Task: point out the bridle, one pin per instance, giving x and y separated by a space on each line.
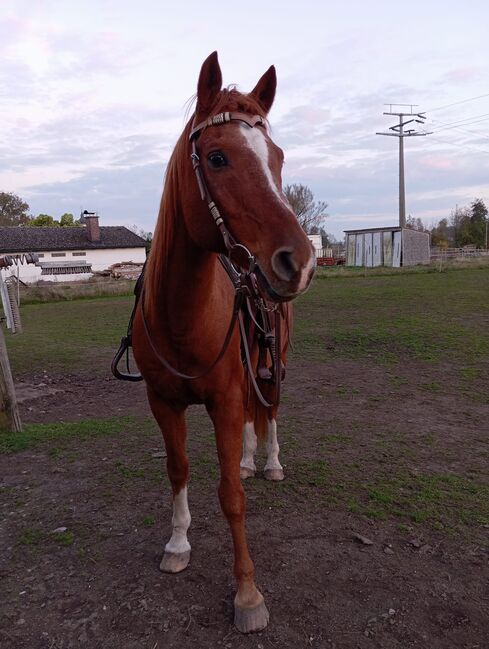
237 253
239 264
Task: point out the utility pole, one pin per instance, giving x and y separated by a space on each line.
401 133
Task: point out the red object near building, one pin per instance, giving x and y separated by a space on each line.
330 261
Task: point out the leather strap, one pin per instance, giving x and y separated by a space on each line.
238 298
224 118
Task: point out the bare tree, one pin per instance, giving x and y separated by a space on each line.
310 214
147 236
415 224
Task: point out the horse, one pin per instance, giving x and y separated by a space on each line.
222 198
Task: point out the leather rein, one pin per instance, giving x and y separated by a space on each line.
249 302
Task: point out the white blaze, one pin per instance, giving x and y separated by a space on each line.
181 522
256 141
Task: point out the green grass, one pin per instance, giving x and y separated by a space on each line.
430 317
77 336
55 292
39 434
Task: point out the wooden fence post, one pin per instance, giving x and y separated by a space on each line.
9 412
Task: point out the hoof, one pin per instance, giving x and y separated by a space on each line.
274 474
172 562
244 472
248 620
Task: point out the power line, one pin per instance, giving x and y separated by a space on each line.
475 119
459 128
456 103
456 144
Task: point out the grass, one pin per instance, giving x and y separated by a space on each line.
56 292
41 434
37 537
78 336
430 317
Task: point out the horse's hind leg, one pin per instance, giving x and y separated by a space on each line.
247 464
273 468
250 612
171 420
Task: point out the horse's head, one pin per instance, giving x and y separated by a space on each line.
242 172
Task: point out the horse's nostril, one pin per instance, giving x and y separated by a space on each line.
284 264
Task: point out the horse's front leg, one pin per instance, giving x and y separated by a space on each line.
227 413
171 421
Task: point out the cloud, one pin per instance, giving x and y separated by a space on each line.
122 196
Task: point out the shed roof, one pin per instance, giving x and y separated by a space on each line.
37 239
384 229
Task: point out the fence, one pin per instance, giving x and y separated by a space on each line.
438 254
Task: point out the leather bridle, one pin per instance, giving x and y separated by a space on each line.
238 253
239 264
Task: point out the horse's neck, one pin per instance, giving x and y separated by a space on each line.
187 291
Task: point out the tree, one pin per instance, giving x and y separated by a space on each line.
67 220
460 222
310 214
43 220
441 234
13 210
415 224
147 236
478 222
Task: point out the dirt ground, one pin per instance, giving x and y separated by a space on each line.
97 584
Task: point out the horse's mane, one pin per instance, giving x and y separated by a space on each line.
229 99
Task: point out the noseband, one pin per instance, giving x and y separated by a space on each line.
249 302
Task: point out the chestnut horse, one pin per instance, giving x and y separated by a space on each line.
184 345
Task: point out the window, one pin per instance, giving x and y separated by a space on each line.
40 255
79 254
58 254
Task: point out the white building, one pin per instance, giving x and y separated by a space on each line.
70 253
317 242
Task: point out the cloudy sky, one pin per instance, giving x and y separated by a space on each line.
93 96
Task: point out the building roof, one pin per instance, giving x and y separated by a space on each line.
38 239
391 228
394 228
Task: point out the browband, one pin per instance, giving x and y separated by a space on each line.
224 118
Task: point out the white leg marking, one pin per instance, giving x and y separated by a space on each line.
249 447
181 522
272 448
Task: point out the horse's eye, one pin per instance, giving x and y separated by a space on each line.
217 160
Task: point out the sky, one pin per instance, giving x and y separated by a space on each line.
94 95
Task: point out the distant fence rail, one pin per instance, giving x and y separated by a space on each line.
454 253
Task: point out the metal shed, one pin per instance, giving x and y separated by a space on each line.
392 246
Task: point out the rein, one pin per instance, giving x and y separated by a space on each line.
239 264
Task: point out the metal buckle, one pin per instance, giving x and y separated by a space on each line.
242 257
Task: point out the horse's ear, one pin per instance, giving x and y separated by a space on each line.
264 91
209 85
